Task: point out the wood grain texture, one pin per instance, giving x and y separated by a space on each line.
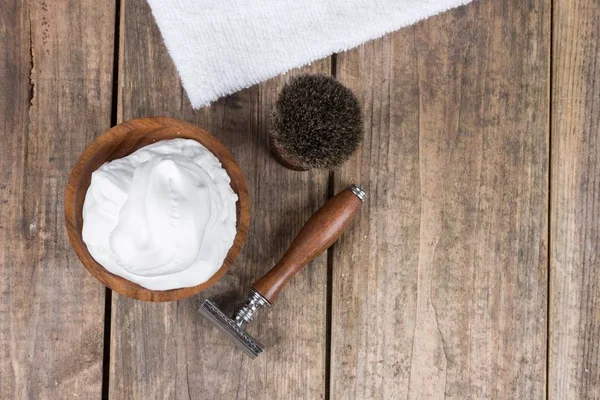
575 204
440 289
168 350
56 72
121 141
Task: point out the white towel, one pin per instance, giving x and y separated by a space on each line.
222 46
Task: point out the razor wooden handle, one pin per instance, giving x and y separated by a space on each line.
318 233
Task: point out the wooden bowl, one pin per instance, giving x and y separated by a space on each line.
119 142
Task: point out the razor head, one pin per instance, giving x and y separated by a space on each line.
244 341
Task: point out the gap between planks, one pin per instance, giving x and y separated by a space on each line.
113 121
549 199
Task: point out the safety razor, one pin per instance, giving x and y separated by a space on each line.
322 229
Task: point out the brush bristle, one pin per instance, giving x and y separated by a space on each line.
317 121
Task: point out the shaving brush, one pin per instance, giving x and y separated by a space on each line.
316 123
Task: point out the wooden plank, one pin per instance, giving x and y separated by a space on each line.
575 204
169 350
439 291
56 72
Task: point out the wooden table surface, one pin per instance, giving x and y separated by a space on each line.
473 271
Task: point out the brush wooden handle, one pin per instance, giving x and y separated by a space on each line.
318 233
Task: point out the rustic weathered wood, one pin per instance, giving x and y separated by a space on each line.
439 289
322 229
56 63
575 203
168 350
120 141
